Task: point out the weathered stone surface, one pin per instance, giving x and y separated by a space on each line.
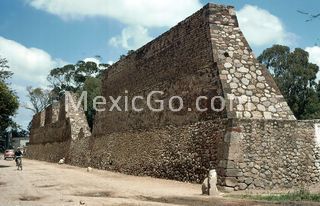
274 152
233 172
242 186
261 107
231 181
267 115
227 65
233 85
258 183
257 115
261 85
248 181
64 124
243 70
247 114
245 81
272 109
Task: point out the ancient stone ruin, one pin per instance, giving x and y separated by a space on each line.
57 132
254 142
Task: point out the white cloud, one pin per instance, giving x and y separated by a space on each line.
30 67
138 15
314 54
148 13
29 64
260 27
92 59
131 37
95 60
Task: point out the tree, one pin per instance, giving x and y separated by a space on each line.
79 77
93 87
18 132
39 99
8 99
8 107
71 77
4 74
296 78
129 52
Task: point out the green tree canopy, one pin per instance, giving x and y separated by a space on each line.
8 99
93 87
4 73
296 78
71 77
79 77
8 106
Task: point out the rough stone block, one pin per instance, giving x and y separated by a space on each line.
231 181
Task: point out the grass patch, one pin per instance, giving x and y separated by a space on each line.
299 195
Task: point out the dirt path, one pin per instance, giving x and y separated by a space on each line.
42 183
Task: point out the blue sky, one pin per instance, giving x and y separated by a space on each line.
38 35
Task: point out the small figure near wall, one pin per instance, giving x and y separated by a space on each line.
61 161
89 169
209 185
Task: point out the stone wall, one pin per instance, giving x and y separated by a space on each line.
243 78
179 62
50 152
267 154
254 142
204 55
184 153
55 130
80 152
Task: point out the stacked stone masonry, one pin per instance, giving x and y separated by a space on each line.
243 78
266 154
254 142
55 130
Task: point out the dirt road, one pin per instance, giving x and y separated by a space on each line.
42 183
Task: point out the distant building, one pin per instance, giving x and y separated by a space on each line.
20 142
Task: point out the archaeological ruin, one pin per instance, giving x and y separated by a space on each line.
255 142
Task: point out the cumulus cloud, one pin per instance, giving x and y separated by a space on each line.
96 60
92 59
149 13
28 64
261 27
314 54
131 37
30 67
138 15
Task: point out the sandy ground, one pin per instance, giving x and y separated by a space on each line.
42 183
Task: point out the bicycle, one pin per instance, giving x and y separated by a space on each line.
19 162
